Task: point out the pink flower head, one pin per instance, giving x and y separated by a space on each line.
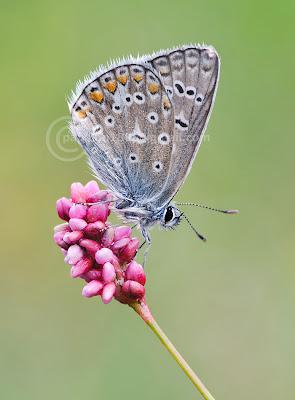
98 253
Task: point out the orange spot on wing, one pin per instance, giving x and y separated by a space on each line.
166 104
82 114
153 88
96 96
123 79
138 77
111 86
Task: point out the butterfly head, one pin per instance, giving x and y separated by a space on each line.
171 217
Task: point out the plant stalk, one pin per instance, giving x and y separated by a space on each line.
144 312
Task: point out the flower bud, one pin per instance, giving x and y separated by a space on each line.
58 238
78 211
108 272
104 255
91 275
94 230
92 288
90 245
97 197
91 189
63 206
74 254
122 232
135 272
97 212
82 266
78 193
134 290
72 237
108 292
108 237
130 250
77 224
120 244
62 228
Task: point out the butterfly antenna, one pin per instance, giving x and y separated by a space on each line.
194 229
209 208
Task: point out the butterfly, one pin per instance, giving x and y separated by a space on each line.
141 122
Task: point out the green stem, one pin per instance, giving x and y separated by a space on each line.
143 310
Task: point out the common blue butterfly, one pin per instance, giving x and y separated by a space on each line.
141 122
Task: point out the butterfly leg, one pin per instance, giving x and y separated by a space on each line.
147 241
97 202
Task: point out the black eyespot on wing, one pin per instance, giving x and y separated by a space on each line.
181 123
139 97
179 88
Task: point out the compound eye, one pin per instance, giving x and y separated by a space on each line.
169 215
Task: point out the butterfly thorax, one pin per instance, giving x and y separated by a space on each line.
145 215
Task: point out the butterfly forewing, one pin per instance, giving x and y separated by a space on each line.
124 120
190 76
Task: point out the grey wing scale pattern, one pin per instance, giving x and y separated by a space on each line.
123 118
190 77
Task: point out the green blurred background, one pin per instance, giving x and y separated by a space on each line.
228 304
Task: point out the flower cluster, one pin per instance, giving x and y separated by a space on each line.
99 253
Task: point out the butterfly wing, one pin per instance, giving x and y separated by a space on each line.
124 119
190 77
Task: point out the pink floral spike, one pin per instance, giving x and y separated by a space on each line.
100 254
103 256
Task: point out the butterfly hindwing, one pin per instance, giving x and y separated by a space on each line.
124 119
190 76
